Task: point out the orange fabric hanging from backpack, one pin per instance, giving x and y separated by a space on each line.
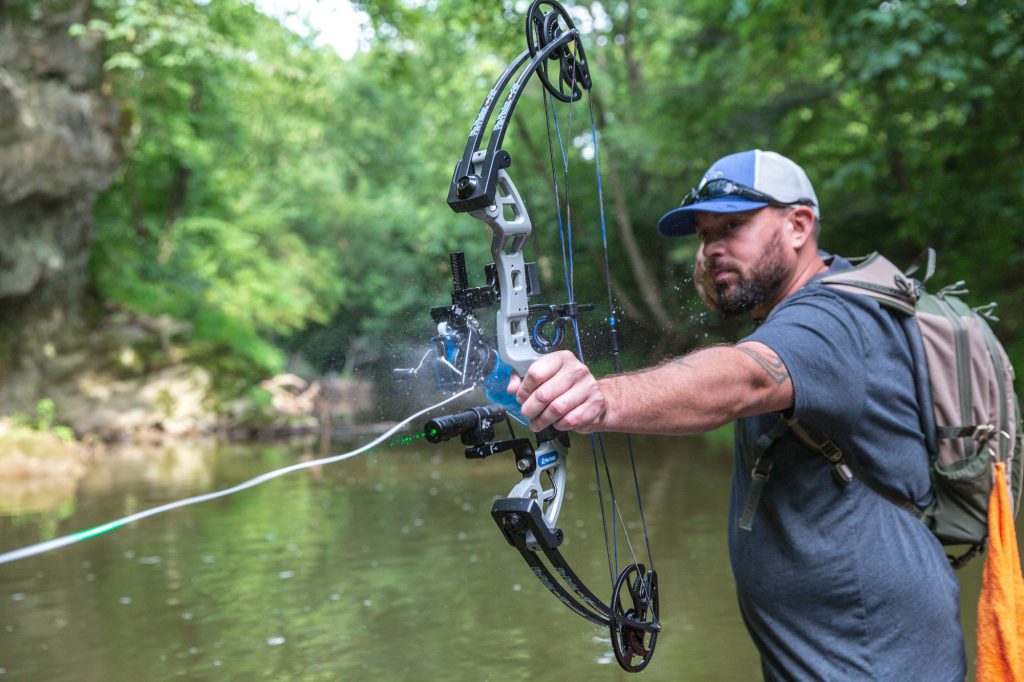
1001 606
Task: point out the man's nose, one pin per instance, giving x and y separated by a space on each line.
712 248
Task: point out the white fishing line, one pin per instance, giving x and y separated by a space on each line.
57 543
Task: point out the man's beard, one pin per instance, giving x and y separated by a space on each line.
766 278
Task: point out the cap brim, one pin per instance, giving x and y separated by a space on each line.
680 221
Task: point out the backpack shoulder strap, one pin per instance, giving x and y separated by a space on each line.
846 469
875 276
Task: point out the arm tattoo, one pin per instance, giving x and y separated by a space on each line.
682 361
770 362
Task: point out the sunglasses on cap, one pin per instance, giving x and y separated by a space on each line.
712 189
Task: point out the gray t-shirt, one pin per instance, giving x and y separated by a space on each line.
834 581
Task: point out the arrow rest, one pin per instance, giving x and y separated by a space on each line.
558 316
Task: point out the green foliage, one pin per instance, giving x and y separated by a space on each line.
45 420
222 213
287 201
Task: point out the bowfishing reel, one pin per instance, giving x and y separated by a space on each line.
463 354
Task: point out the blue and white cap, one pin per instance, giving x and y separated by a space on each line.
767 173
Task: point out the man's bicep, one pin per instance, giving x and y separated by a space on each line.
770 382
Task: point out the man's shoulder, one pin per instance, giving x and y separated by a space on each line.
815 295
829 310
828 297
836 312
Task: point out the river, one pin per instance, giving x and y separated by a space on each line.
385 566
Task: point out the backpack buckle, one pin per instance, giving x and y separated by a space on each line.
762 468
908 287
983 433
831 452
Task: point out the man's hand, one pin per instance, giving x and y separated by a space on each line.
560 391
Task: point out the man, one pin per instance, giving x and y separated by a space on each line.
834 581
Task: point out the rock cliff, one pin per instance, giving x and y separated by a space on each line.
59 148
109 373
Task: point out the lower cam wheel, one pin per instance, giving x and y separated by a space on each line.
635 625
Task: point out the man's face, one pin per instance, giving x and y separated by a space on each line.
745 258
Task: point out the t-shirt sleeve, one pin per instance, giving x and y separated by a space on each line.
822 345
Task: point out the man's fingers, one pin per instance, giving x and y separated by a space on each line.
577 409
569 400
541 371
559 390
555 386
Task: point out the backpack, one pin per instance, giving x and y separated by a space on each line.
970 414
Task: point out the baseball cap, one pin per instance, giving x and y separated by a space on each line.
742 182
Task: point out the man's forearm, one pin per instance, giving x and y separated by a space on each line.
698 392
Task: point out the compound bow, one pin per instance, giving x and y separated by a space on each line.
465 354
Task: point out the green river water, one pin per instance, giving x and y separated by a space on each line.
384 567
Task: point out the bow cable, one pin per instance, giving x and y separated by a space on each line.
551 116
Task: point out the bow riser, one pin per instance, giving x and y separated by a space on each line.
548 497
511 227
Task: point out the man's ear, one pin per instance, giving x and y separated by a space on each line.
801 224
703 282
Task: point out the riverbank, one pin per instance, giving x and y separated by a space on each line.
39 470
41 473
48 446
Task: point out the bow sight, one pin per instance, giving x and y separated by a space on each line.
466 353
